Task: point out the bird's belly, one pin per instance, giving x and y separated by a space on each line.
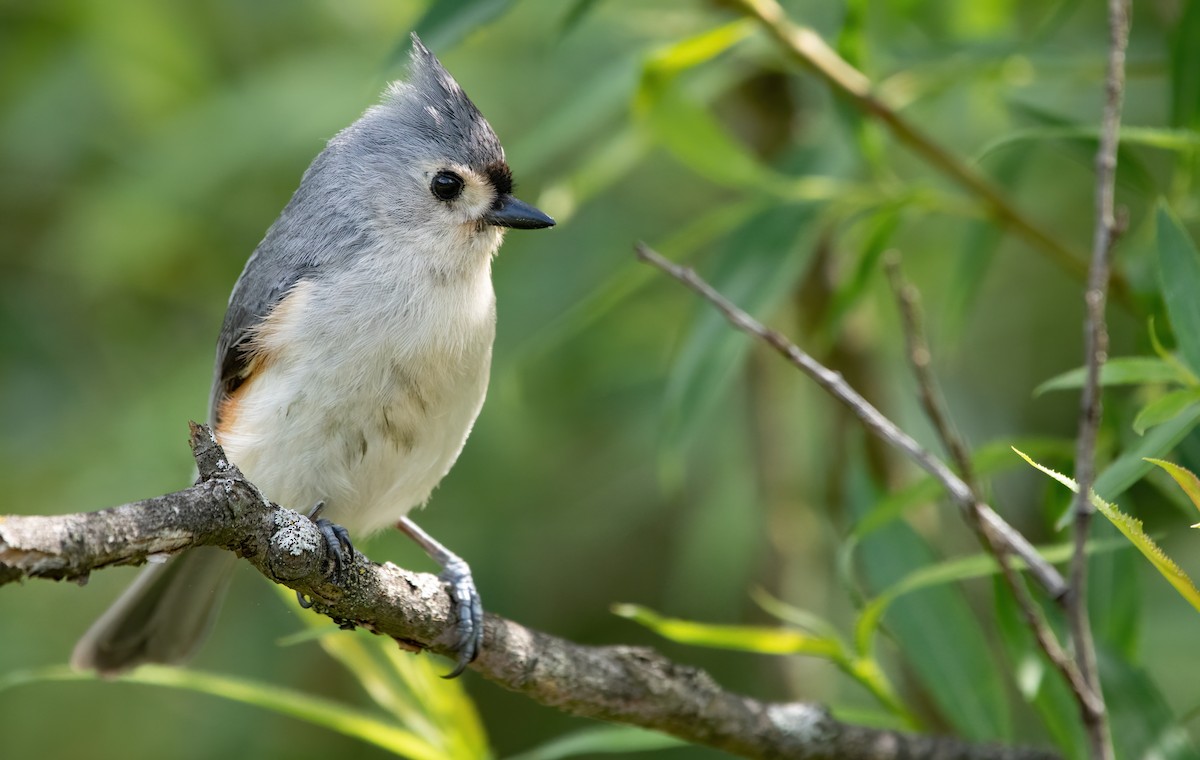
371 447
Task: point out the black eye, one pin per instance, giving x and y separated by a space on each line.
446 186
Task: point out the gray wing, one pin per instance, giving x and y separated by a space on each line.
317 229
257 291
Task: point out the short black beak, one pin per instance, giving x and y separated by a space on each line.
507 211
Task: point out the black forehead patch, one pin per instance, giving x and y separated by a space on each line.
501 177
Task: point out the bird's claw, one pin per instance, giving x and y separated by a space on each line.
338 548
468 611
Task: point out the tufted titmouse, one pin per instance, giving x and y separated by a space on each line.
355 352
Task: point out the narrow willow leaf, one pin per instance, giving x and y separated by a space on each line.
1125 370
953 571
444 25
1165 408
987 460
804 619
604 740
1131 528
1143 724
1185 69
1131 466
744 638
1149 137
1186 479
315 710
1179 269
1038 683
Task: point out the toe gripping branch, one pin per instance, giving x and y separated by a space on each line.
338 548
464 598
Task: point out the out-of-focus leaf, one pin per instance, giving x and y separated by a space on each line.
880 227
1124 370
980 245
316 710
694 137
1133 171
772 640
1165 408
1179 267
1037 681
987 460
1131 466
1150 137
698 49
598 101
445 24
1142 723
604 740
757 267
1131 528
685 127
744 638
806 620
940 636
1186 479
576 12
1185 69
410 688
953 571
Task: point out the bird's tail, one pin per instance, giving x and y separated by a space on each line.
163 616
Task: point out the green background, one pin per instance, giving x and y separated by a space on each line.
632 449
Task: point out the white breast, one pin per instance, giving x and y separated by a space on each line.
370 385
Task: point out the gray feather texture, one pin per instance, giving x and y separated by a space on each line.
356 348
328 219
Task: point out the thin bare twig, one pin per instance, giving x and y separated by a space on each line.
1096 351
919 356
617 683
876 422
807 47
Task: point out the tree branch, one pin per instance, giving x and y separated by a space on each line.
919 356
960 493
1096 351
617 683
807 47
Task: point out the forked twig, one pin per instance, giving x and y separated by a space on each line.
876 422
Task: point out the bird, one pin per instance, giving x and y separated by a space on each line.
354 355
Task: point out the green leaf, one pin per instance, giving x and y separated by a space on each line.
1186 479
1131 528
1127 370
410 688
1165 408
774 640
987 460
601 740
743 638
1037 681
686 127
952 571
1150 137
1131 466
1179 269
756 268
934 628
315 710
444 25
1142 723
1185 69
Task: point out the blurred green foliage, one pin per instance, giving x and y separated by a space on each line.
633 448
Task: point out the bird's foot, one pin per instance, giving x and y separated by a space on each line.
468 612
464 598
338 548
